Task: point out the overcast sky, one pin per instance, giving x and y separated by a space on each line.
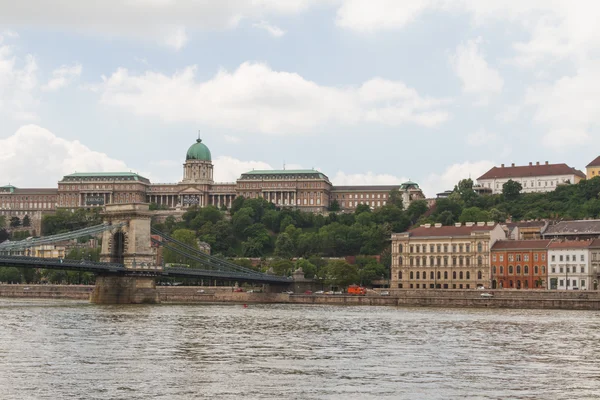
367 91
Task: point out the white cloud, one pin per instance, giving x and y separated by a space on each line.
62 77
374 15
256 98
272 29
163 21
176 38
33 155
480 138
477 77
18 82
437 183
229 169
369 178
232 139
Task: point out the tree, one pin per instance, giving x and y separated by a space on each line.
241 221
395 198
282 267
26 221
511 190
341 274
334 206
474 214
237 204
284 246
416 209
2 222
362 208
4 235
308 268
15 222
186 237
464 189
10 275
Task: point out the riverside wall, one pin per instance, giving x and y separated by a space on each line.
532 299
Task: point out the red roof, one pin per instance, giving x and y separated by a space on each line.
570 244
531 170
463 230
520 244
595 163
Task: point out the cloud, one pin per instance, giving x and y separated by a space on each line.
229 169
62 77
232 139
437 183
34 156
272 29
18 82
369 178
477 77
480 138
162 21
256 98
375 15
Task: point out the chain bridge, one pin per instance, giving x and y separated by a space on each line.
127 271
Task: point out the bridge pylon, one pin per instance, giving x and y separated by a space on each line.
128 244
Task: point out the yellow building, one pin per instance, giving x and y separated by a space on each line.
593 168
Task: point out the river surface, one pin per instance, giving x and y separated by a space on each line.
74 350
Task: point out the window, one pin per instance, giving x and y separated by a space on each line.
399 260
411 261
535 270
518 257
445 261
431 248
526 270
418 275
460 275
400 248
553 257
583 283
454 248
501 257
418 248
553 270
510 269
400 275
518 270
468 248
412 249
468 275
460 248
445 274
567 258
479 261
511 257
501 270
535 257
454 261
418 264
439 248
526 257
460 261
582 258
445 248
561 258
493 257
582 270
411 275
479 247
453 274
479 275
468 261
494 270
431 276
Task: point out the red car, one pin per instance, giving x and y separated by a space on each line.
308 292
239 289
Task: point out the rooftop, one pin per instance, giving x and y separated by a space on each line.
595 163
530 170
583 227
123 175
570 244
462 230
286 172
520 244
363 188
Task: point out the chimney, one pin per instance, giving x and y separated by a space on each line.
427 225
458 224
481 224
512 165
502 166
491 223
546 162
469 224
537 163
438 225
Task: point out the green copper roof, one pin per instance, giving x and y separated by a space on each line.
409 184
7 188
198 151
126 176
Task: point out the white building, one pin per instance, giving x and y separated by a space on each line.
569 266
533 177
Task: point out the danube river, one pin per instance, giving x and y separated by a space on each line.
74 350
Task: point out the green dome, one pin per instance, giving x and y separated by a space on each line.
198 151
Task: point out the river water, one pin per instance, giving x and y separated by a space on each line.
74 350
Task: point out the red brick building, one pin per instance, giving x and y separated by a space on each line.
519 264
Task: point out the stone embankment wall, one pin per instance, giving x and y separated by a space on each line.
543 299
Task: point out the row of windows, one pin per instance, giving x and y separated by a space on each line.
518 257
439 248
573 270
356 203
568 258
436 286
525 270
432 275
17 198
437 261
362 196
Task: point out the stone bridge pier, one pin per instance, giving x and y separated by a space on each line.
127 244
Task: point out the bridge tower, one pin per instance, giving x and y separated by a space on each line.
127 244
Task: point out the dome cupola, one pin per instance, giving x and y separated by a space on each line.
198 151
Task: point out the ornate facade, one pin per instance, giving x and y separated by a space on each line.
307 190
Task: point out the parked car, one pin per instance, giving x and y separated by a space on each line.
238 290
308 292
287 292
384 293
319 292
486 295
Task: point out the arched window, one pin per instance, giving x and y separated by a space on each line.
400 275
431 275
439 275
479 247
518 270
460 261
400 248
453 274
468 275
432 261
479 261
418 261
501 270
510 269
424 261
418 275
411 261
494 269
479 274
468 261
400 260
424 275
445 274
543 269
526 270
460 275
536 270
411 275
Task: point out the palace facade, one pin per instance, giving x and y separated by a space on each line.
306 190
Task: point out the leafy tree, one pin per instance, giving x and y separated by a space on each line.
511 190
26 221
362 208
308 268
237 204
10 275
341 274
241 221
15 222
285 222
21 235
4 235
416 209
284 246
271 219
186 237
253 247
464 189
474 214
334 206
282 267
395 198
2 222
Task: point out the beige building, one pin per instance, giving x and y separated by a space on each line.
444 257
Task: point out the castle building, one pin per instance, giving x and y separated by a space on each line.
533 178
307 190
593 168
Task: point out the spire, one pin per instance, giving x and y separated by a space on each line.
198 140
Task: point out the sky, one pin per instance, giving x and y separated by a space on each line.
366 91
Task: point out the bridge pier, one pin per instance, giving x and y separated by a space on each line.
125 290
